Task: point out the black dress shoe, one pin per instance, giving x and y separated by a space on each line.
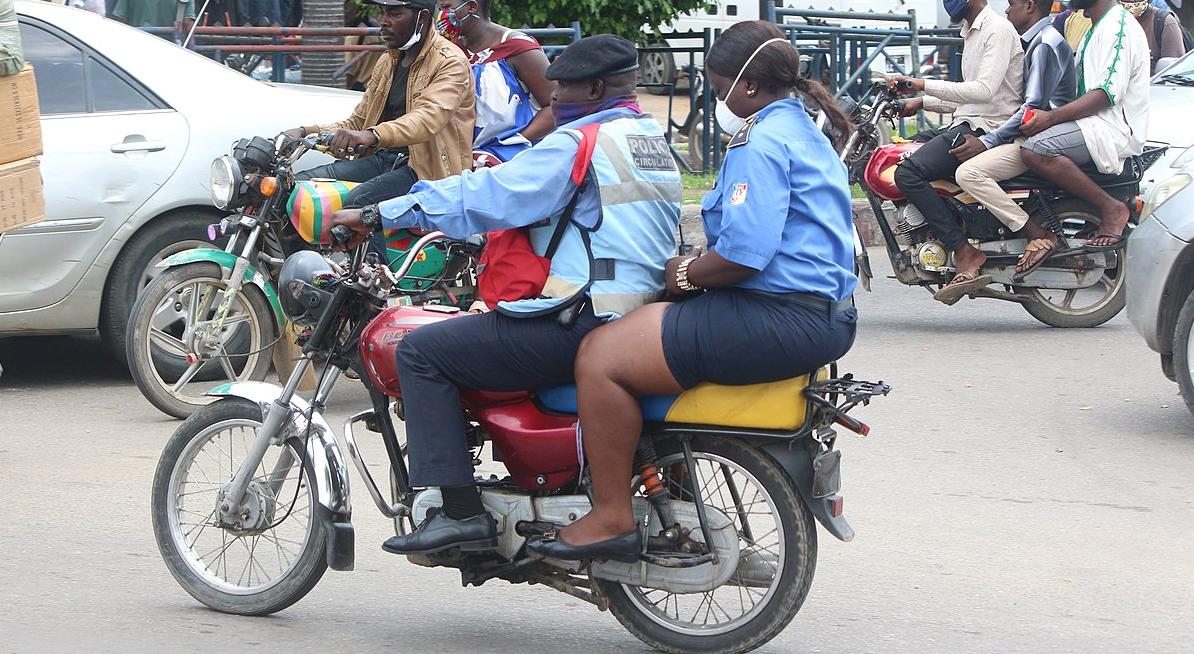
624 548
438 532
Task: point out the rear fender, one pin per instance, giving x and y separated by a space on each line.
818 487
331 474
227 261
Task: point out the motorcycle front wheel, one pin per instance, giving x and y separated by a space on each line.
276 552
171 355
777 544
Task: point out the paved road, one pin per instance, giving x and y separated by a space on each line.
1025 489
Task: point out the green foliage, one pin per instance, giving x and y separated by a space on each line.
626 18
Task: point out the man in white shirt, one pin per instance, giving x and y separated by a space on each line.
992 73
1103 127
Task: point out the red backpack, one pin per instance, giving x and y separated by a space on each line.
509 269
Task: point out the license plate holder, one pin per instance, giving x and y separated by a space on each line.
827 473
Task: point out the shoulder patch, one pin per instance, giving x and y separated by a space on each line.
738 197
742 136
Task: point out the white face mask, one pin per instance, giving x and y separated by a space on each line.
727 120
417 36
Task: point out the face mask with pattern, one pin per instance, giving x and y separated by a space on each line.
449 21
1137 9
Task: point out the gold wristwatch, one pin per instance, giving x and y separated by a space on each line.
682 276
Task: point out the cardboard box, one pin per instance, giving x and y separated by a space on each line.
22 201
20 122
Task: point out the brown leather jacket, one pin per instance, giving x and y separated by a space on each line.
440 109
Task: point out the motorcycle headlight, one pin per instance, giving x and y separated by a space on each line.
225 181
1163 192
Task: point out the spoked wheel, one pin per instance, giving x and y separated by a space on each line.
778 556
176 349
1081 307
266 558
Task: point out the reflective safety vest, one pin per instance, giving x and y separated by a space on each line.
618 261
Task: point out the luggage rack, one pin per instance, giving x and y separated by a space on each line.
836 397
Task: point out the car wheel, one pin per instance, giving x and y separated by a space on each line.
1182 355
136 266
657 70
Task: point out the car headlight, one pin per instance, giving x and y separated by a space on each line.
1183 160
1163 192
225 181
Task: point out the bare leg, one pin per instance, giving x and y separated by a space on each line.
1063 172
969 259
617 363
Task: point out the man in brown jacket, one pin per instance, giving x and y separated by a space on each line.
416 119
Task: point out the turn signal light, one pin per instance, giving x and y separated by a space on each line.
839 503
269 186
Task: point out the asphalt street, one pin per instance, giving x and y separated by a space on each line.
1024 489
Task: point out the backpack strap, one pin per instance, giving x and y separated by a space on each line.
1158 27
580 175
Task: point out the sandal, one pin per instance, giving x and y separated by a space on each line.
1044 246
963 284
1117 243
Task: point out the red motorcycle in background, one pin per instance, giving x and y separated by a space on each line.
1075 287
251 495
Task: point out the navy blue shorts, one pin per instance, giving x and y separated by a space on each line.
738 337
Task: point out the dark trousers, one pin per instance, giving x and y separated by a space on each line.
488 351
378 177
932 162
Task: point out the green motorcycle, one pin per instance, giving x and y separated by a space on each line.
213 316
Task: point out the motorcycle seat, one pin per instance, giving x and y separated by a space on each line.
1132 172
778 405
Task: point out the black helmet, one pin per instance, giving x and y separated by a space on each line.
302 299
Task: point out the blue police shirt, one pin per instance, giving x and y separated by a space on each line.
781 206
534 185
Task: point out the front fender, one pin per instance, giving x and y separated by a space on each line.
798 462
227 261
331 474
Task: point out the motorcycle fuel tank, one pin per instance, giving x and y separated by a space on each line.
379 341
879 174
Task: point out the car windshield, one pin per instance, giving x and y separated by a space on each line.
1181 73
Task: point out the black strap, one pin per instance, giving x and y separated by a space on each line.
565 219
1158 29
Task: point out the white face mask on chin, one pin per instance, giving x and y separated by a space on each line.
727 120
416 36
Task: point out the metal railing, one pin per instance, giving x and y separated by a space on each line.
277 42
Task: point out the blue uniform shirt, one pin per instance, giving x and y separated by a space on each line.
535 185
782 206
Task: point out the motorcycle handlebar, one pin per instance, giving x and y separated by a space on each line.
341 234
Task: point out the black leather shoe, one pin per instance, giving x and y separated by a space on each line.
439 532
624 548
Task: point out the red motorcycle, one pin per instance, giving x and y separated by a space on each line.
251 495
1076 287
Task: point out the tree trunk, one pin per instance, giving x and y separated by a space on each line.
319 66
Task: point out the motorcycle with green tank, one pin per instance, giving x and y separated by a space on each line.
213 316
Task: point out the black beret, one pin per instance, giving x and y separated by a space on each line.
592 57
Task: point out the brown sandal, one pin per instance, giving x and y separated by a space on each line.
960 286
1044 246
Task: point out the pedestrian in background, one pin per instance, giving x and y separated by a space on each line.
1161 28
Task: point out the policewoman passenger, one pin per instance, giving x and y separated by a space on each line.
770 300
626 215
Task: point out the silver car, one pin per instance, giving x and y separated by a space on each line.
130 124
1160 277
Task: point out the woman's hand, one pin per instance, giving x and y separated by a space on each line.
669 274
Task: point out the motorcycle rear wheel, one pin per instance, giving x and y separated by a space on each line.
217 565
1100 302
773 509
157 338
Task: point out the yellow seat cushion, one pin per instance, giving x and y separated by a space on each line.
774 405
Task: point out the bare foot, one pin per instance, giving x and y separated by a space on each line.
969 260
1112 222
594 528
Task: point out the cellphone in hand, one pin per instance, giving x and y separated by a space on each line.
1028 114
956 140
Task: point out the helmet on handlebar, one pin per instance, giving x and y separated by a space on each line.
311 206
300 282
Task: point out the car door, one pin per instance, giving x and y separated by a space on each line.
109 144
